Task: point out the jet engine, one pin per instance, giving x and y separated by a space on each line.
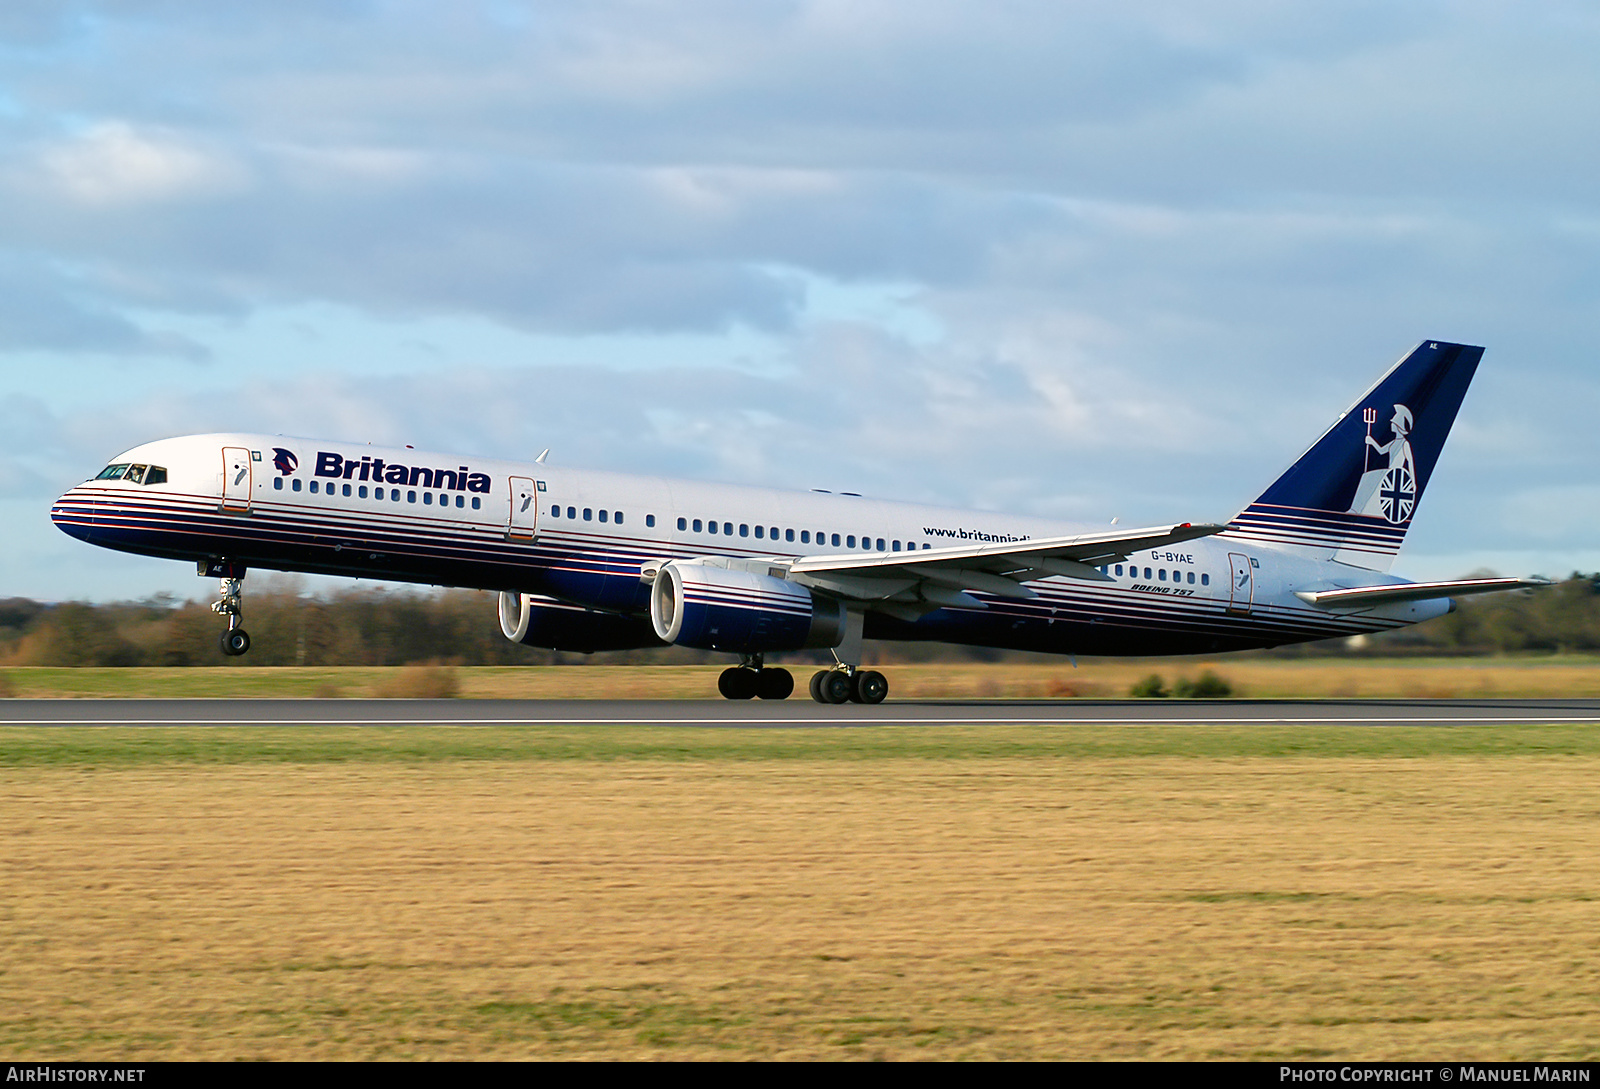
545 622
717 608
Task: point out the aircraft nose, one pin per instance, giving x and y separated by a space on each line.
72 515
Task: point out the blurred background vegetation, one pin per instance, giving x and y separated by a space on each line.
382 626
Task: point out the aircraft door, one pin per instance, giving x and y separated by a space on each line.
1241 590
524 517
237 479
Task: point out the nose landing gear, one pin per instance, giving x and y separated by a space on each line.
230 603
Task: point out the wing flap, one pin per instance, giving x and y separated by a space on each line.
1086 549
939 575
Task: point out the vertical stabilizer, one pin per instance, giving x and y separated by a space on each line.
1351 497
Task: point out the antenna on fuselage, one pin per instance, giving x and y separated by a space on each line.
540 459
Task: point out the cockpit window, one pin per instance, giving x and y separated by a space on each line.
134 474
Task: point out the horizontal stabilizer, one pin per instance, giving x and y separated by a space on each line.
1365 596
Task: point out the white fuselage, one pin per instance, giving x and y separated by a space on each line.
583 538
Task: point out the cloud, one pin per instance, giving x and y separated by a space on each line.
112 163
1146 250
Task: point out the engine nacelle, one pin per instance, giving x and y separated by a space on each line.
715 608
545 622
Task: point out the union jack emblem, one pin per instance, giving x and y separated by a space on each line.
1397 495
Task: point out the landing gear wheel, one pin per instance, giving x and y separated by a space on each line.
235 642
774 684
834 686
816 685
738 683
868 687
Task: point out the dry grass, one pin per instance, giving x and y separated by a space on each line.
419 682
1173 908
1250 677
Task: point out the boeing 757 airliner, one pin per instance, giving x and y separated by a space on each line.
602 561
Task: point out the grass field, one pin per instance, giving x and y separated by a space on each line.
1250 677
1013 892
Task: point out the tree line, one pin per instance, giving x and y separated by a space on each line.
379 626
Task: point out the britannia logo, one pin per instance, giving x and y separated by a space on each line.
284 460
1388 490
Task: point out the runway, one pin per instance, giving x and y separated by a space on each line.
792 713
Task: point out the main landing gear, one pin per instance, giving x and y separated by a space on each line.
235 641
750 679
848 684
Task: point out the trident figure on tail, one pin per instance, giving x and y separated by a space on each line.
1388 491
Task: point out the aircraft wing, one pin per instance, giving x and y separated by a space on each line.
939 576
1364 596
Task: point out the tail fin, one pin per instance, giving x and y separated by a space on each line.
1351 497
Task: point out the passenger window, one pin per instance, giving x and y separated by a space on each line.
727 529
744 530
461 501
697 525
617 518
805 536
477 502
683 524
774 533
555 511
295 486
896 545
362 491
836 540
588 514
1205 579
313 487
881 548
711 527
850 541
427 499
1146 572
602 516
347 491
788 535
760 532
1191 578
277 483
411 497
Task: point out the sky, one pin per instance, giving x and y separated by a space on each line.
1079 260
